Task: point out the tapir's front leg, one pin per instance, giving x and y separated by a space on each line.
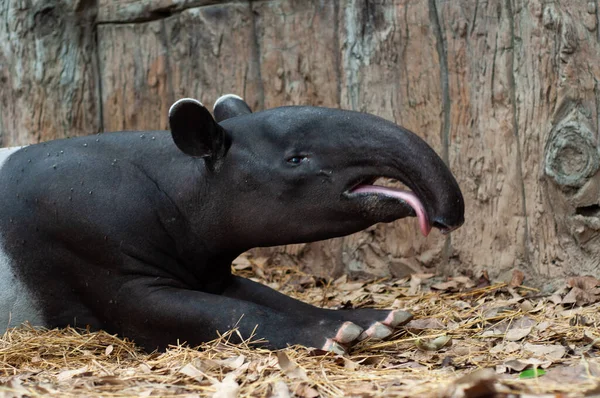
377 324
159 316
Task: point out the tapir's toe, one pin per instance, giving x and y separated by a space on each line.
346 335
365 323
397 318
335 347
385 328
377 331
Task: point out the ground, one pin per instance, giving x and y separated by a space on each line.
469 338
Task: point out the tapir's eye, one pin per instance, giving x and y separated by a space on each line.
296 160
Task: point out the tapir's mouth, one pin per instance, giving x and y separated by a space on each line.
366 186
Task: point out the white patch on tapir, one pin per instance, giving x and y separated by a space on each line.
224 97
184 100
16 302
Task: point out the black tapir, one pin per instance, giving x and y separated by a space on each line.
135 232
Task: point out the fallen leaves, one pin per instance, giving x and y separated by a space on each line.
500 334
584 290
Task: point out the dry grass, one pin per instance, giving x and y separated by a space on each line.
495 332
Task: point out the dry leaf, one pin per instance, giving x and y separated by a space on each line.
109 380
592 336
260 262
341 280
516 334
517 278
449 285
516 296
228 388
191 371
573 374
519 365
347 363
506 348
241 263
232 363
143 369
280 390
423 276
435 344
556 299
415 282
580 297
425 323
479 383
305 391
484 280
289 368
69 374
554 351
464 280
586 283
16 389
350 286
526 306
461 305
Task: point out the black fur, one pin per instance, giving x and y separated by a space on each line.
133 234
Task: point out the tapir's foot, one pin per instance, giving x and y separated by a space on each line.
363 324
377 324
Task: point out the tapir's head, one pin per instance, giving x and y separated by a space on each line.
298 174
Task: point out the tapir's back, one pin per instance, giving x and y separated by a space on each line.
68 209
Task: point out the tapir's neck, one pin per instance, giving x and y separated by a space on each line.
197 195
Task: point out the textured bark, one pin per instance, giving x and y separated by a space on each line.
115 11
506 91
391 68
48 77
484 142
199 52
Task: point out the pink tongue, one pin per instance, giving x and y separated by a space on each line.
406 196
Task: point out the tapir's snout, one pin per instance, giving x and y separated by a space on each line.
452 215
441 193
392 151
434 185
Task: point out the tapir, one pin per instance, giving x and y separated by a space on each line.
134 233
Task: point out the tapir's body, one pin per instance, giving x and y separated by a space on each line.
134 232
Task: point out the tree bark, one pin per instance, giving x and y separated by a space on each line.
48 72
506 91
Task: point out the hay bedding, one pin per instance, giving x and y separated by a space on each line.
469 339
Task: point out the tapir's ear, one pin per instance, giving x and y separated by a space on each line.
194 130
230 105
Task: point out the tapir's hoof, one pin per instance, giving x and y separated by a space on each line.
347 334
385 328
377 331
398 318
335 347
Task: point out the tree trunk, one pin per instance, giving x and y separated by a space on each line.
48 71
506 91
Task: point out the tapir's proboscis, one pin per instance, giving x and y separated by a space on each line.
134 233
